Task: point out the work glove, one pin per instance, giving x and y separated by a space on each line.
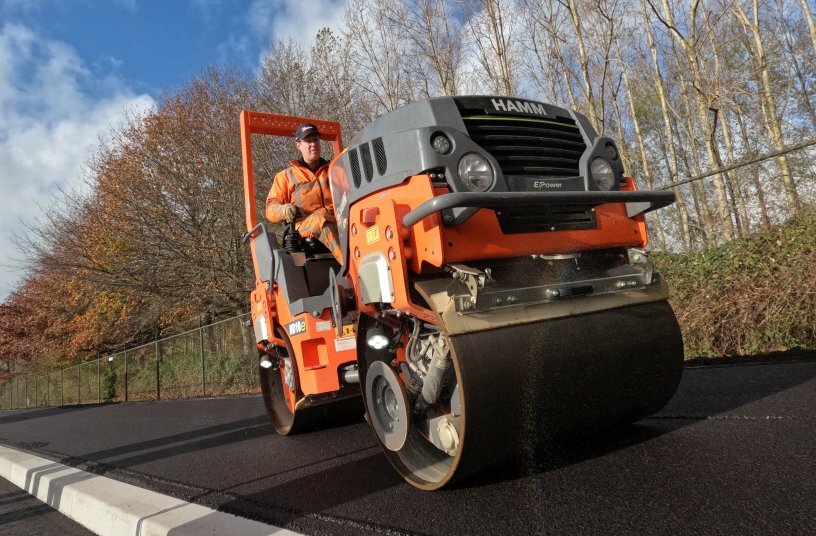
289 212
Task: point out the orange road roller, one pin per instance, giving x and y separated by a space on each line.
493 292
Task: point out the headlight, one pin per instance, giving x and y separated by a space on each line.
602 174
441 144
476 172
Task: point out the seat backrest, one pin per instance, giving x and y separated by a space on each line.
317 273
265 245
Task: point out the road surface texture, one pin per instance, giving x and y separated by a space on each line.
23 515
733 453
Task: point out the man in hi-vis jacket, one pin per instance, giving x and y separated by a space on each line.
301 194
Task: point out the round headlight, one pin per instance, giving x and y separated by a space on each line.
602 174
441 144
476 172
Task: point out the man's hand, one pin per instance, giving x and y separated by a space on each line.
289 212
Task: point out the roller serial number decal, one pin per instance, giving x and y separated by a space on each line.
373 235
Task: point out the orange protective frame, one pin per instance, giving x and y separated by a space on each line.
316 349
274 125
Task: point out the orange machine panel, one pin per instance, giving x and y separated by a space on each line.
318 351
430 244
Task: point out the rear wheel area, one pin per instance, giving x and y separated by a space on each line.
281 391
289 410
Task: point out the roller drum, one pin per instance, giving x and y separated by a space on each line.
527 385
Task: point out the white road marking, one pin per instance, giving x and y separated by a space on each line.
106 506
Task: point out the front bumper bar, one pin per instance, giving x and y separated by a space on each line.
637 202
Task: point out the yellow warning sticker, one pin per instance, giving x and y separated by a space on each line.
348 330
373 235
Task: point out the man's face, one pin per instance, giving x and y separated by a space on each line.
309 148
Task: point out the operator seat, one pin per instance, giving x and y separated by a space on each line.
319 263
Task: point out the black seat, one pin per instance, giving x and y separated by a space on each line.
317 273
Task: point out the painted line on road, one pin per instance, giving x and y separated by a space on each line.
106 506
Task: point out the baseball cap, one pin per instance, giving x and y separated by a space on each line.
304 130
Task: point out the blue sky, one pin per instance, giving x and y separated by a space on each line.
70 69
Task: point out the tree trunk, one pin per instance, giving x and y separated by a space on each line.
682 207
583 60
698 189
689 46
760 194
644 161
737 197
811 25
732 180
769 105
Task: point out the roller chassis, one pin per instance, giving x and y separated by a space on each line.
441 299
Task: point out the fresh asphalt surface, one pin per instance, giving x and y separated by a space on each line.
733 453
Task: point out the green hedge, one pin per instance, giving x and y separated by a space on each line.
749 296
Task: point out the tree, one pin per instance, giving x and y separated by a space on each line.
493 31
766 95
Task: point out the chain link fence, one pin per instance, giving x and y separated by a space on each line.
213 360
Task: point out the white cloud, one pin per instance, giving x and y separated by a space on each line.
282 19
49 125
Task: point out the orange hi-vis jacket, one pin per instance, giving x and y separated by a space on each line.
310 192
299 185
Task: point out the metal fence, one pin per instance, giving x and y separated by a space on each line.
212 360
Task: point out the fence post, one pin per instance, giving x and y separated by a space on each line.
62 388
48 389
126 378
98 383
158 376
201 345
79 384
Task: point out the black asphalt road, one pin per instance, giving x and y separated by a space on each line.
733 453
22 514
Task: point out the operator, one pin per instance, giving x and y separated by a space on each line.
300 194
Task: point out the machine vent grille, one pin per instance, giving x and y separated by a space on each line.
379 155
550 218
368 166
354 160
529 147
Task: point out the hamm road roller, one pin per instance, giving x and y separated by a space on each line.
493 294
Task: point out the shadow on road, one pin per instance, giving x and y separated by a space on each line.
16 415
704 393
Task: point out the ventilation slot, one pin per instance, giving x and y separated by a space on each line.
355 167
379 156
368 166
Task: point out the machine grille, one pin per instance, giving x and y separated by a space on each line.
368 166
379 155
550 218
528 147
354 160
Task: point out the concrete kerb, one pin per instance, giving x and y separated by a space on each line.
106 506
